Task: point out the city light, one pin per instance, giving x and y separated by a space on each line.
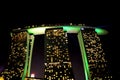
101 31
1 78
32 75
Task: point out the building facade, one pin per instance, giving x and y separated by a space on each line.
17 56
96 57
57 60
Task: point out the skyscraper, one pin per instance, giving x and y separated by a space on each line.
57 60
97 63
17 54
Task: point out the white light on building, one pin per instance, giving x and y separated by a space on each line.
32 75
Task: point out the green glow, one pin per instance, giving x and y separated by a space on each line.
84 57
69 29
41 30
26 62
100 31
73 29
30 57
38 30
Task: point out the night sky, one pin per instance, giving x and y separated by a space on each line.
16 20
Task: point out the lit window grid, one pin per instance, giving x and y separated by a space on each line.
16 56
96 56
53 51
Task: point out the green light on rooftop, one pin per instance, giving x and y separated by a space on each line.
100 31
71 28
41 30
38 30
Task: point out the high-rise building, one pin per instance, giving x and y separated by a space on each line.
97 63
17 56
57 61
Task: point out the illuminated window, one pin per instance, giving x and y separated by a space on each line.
1 78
